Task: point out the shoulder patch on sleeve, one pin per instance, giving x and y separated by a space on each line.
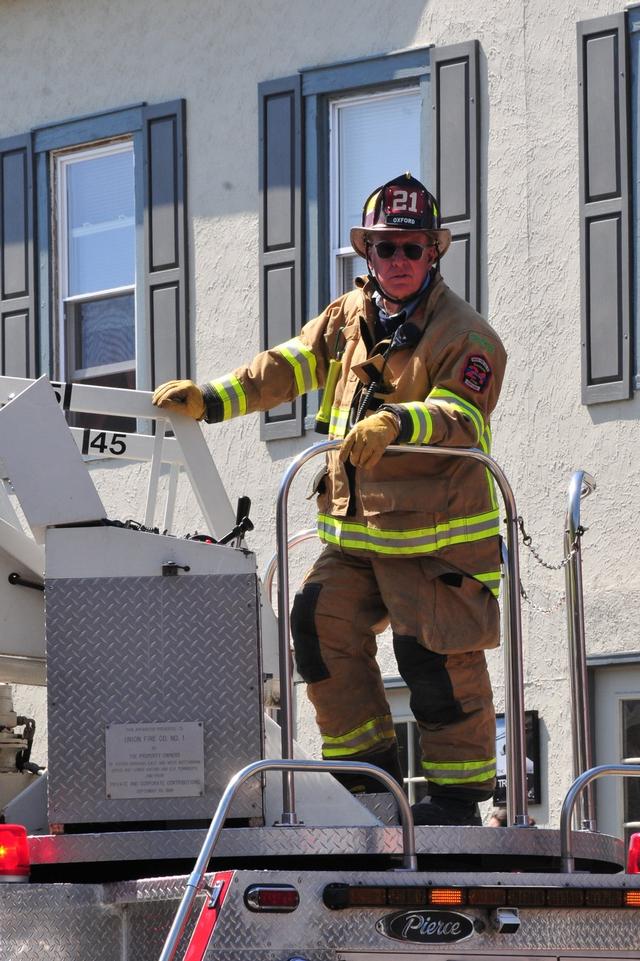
476 373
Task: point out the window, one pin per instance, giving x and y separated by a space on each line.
93 248
97 265
391 121
616 721
328 136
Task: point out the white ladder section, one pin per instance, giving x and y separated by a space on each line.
27 418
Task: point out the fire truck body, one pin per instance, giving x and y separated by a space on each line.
160 656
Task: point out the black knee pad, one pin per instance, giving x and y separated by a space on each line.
306 644
425 673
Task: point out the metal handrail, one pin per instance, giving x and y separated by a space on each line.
196 878
567 861
580 486
270 569
517 804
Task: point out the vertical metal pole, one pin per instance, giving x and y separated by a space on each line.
507 642
581 485
517 798
286 667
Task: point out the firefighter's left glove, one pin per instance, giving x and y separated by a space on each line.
182 396
365 443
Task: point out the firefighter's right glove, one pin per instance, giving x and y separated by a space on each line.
182 396
365 443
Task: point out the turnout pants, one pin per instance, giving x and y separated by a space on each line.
442 620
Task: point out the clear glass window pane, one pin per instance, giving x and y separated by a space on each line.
378 138
350 268
105 331
100 222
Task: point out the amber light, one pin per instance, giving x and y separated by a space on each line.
14 853
363 897
565 897
407 897
487 897
602 898
526 897
632 899
446 896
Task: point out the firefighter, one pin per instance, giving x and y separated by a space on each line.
411 540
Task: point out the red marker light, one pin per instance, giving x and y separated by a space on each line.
14 853
633 855
271 897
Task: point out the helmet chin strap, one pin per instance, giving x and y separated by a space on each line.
401 301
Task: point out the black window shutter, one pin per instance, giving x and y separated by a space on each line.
280 215
605 247
18 335
456 162
166 275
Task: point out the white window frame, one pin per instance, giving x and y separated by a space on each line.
62 160
339 253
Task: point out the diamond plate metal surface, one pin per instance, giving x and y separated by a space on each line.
148 924
313 930
129 921
151 650
260 842
382 805
58 923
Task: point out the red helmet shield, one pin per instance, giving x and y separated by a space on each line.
404 206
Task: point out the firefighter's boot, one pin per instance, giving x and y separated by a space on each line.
446 810
387 759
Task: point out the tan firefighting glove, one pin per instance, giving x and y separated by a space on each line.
182 396
365 443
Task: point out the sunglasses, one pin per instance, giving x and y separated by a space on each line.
385 250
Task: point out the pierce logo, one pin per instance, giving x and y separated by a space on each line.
426 927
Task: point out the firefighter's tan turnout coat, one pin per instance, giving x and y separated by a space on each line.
413 541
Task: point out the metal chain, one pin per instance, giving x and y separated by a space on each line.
527 541
536 607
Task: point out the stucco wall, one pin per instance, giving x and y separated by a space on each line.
62 60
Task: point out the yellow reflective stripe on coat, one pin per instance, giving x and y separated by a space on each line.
338 422
492 580
485 444
412 542
232 395
421 420
361 739
303 362
447 398
459 772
